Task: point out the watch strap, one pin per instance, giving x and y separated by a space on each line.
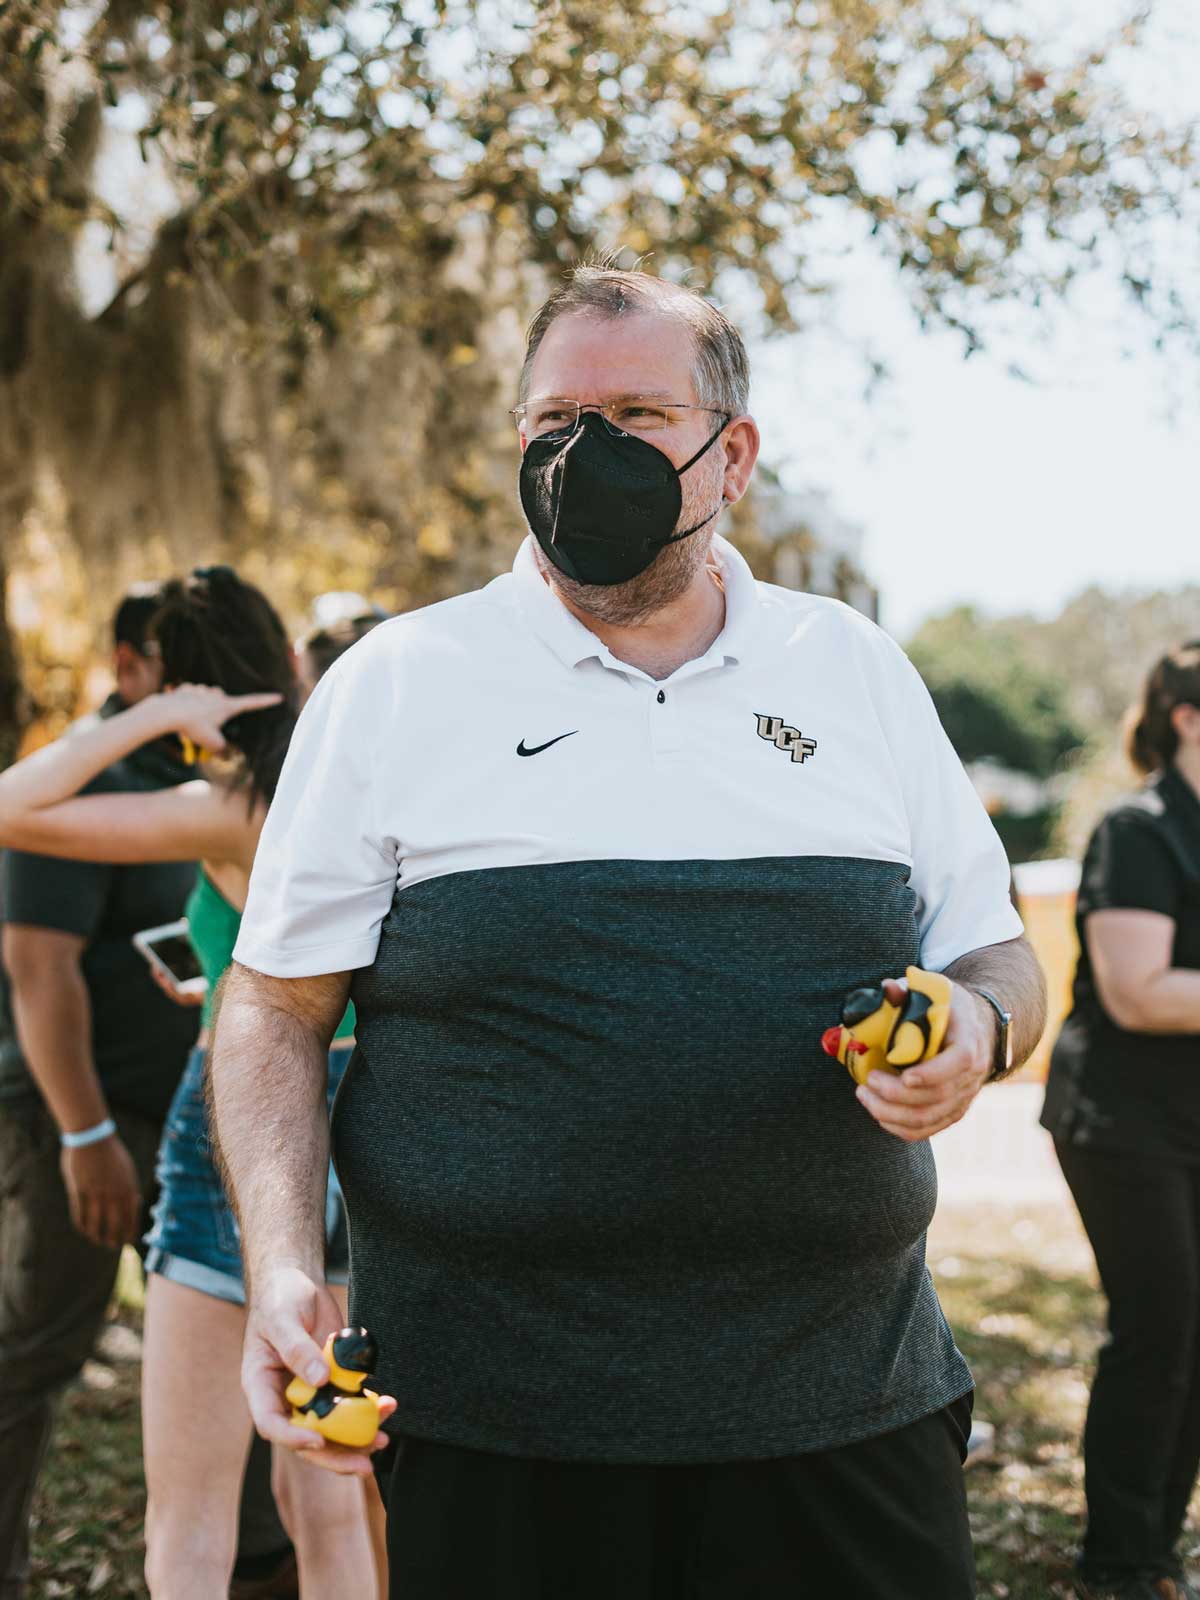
1002 1055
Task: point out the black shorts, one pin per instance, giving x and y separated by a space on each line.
884 1519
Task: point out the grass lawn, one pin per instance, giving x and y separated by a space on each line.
1018 1289
87 1537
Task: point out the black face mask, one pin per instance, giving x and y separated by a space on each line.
603 504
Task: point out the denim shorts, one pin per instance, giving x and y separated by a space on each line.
194 1237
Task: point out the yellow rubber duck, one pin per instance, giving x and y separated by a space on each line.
877 1036
341 1410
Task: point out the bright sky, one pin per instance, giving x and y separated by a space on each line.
973 485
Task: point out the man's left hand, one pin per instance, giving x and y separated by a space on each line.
933 1095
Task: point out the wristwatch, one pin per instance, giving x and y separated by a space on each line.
1002 1056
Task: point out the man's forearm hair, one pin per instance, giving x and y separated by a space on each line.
1011 971
265 1088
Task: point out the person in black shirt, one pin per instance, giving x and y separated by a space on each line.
87 1041
1123 1104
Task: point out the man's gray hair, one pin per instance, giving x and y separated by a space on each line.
721 371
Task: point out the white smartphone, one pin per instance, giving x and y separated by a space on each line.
169 950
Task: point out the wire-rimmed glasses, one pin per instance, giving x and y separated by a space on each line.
640 414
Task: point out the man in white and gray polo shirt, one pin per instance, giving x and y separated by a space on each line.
597 852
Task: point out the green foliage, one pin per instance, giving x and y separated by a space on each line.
347 211
994 703
708 134
1030 837
1048 697
1102 645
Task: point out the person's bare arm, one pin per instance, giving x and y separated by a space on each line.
1130 952
927 1098
52 1011
266 1088
42 811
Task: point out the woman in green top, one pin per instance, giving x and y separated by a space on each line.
213 925
235 695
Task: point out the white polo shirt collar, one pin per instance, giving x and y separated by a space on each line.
819 741
574 644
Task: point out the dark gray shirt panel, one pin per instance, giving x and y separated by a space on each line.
608 1198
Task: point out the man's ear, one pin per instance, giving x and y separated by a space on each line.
741 452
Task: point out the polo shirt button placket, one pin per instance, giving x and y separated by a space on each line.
665 735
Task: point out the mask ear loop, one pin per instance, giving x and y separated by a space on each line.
704 448
679 472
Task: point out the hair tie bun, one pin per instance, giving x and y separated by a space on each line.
219 576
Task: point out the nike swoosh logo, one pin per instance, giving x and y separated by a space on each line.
538 748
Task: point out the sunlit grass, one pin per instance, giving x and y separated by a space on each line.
1019 1288
87 1533
1017 1285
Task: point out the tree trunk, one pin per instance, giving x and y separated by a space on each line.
13 705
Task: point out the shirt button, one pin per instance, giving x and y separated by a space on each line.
662 697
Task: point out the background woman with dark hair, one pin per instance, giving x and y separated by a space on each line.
1123 1104
232 691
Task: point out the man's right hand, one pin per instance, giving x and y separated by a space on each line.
103 1193
290 1319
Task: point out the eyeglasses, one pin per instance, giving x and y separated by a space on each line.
626 414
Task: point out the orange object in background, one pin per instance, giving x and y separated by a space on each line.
1046 900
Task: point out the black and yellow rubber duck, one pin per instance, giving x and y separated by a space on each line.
876 1035
341 1410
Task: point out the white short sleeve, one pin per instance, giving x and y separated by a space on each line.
960 871
324 875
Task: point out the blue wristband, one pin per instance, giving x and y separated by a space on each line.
86 1136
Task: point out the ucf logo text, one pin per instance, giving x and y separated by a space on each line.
790 740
